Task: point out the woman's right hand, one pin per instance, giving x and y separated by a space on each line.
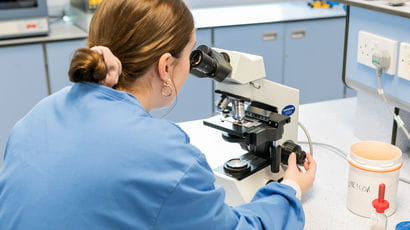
305 178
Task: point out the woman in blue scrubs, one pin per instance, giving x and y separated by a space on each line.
92 157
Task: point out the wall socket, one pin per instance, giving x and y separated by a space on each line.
369 43
404 61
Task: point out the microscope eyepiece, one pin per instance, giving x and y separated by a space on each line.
206 62
196 58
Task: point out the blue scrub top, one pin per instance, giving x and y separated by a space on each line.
91 157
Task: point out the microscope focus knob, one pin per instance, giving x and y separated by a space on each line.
288 147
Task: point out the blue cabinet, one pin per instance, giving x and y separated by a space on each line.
349 92
314 58
23 84
59 56
195 99
265 40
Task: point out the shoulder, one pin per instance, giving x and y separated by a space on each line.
50 101
143 138
171 129
163 134
43 107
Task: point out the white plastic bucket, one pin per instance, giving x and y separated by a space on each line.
370 164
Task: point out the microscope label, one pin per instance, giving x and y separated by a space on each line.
288 110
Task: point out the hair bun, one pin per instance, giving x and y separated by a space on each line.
87 65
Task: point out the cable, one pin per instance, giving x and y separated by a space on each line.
380 91
334 149
343 155
404 180
308 137
381 60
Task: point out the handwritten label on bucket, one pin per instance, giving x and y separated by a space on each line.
359 187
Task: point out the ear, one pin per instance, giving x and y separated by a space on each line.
165 66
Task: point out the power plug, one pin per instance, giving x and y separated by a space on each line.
381 60
369 44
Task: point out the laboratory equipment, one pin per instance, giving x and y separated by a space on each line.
378 220
82 11
86 5
257 113
320 4
397 2
372 163
23 18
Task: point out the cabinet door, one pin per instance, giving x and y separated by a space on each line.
59 56
314 58
23 84
195 99
265 40
350 92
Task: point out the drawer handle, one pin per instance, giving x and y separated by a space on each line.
297 34
270 36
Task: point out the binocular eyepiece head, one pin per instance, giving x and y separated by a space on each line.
206 62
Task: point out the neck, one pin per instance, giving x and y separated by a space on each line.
143 98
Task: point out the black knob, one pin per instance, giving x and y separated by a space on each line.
288 147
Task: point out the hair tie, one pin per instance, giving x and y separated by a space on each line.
113 65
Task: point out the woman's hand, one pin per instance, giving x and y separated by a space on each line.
303 178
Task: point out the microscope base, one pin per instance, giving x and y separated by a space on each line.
238 192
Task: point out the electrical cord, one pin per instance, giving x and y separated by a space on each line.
334 149
404 180
381 60
343 155
308 137
380 91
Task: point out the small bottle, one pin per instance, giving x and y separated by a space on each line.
379 219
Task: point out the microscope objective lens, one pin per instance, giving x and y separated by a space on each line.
223 104
238 110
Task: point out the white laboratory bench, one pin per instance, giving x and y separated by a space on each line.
330 122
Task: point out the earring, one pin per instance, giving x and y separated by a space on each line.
167 88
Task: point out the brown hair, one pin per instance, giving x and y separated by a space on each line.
138 32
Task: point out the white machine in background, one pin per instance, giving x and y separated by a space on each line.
259 114
23 18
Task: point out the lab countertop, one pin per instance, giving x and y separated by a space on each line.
261 13
380 6
330 122
59 31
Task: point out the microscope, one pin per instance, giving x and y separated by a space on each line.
256 113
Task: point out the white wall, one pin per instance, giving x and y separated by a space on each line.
207 3
55 7
59 4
